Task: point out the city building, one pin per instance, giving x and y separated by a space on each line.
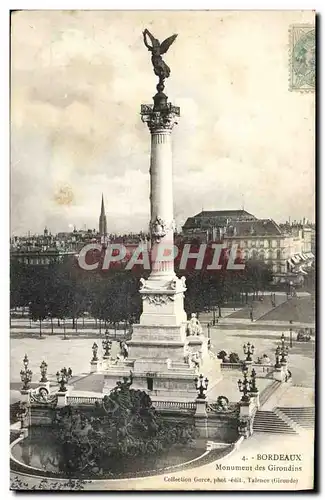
287 248
44 249
208 225
40 250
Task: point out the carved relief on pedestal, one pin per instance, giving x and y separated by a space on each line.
245 424
173 284
159 228
244 427
158 300
178 284
42 396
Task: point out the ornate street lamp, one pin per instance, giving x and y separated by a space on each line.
63 377
243 386
290 330
284 350
201 386
277 357
43 368
248 351
253 388
282 341
107 346
26 361
284 354
95 351
26 374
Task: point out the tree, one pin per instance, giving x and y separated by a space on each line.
99 303
115 298
258 276
79 302
20 281
124 425
40 295
62 304
38 311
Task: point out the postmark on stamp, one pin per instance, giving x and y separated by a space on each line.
302 61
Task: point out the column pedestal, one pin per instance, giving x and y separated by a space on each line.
25 395
62 399
94 366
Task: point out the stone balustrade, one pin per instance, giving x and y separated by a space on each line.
261 370
83 400
159 405
174 405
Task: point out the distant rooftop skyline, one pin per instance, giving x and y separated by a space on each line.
84 227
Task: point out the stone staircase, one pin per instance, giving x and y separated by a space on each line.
211 368
281 420
303 416
269 391
268 421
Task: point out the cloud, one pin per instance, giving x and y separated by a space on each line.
78 79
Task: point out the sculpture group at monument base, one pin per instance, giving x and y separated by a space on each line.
164 367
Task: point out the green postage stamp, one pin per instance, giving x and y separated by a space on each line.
302 62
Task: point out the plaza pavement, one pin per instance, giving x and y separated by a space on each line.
260 307
57 353
301 355
299 309
77 353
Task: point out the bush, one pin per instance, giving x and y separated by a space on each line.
234 358
222 355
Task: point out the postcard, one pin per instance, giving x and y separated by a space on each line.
162 250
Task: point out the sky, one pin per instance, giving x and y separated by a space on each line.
78 79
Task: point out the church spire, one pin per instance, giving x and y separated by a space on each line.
102 211
102 220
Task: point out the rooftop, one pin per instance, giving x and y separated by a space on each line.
225 213
210 218
258 227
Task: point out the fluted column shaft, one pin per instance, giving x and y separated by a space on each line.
161 202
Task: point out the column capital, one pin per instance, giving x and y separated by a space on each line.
160 121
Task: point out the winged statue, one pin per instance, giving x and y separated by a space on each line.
157 49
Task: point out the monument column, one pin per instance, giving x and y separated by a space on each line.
158 350
162 293
162 225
